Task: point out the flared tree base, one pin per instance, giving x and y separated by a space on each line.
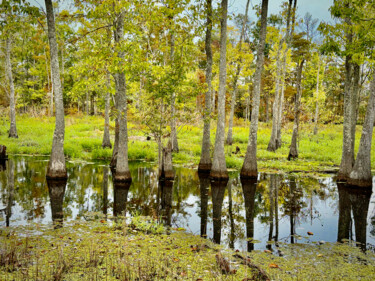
219 175
107 145
248 174
122 176
166 175
363 183
204 168
56 175
292 155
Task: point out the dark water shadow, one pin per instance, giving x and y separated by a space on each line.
353 211
218 192
56 190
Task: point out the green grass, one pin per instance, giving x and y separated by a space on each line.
84 134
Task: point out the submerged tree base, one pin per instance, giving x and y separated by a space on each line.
363 183
122 176
219 175
248 174
204 168
60 174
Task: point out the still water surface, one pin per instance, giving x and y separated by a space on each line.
275 208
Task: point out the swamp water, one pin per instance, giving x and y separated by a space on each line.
276 208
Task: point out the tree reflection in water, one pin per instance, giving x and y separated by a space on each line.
56 190
353 201
166 196
204 183
276 208
120 197
248 188
217 191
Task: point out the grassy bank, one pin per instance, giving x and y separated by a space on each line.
84 137
144 250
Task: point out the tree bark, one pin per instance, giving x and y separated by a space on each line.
174 140
166 171
205 161
219 168
250 168
87 103
235 80
12 103
293 151
361 173
275 108
350 99
106 137
122 165
317 101
56 166
115 145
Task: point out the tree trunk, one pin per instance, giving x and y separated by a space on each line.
166 171
361 173
173 125
281 108
174 140
87 103
238 70
205 161
115 145
267 108
350 99
293 151
56 167
317 102
229 140
350 120
51 97
250 168
122 165
12 103
275 108
219 168
92 103
106 137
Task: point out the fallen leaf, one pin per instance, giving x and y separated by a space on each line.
319 255
267 251
310 233
273 265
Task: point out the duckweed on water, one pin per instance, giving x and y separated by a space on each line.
144 250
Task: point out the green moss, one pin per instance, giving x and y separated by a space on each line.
109 249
